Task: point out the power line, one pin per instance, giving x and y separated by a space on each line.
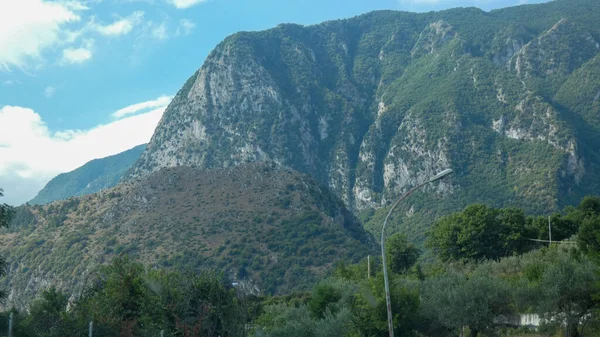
538 240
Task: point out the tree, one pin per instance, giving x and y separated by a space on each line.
590 205
323 298
128 299
401 254
588 237
369 309
327 313
567 292
480 232
6 214
563 227
47 315
455 300
204 305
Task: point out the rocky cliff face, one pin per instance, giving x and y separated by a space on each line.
373 105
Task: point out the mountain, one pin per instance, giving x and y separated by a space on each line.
372 105
92 177
268 227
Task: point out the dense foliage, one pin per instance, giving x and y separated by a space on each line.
472 295
261 224
452 295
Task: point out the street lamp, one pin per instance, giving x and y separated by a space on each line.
438 176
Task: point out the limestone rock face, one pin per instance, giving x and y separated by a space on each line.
372 105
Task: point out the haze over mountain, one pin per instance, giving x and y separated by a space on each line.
92 177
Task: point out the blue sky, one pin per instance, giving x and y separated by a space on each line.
86 79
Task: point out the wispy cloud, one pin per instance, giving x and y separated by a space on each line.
159 31
162 101
49 91
182 4
29 27
31 155
119 27
185 27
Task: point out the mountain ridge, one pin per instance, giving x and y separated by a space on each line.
375 104
91 177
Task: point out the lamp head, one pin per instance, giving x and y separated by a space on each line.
441 175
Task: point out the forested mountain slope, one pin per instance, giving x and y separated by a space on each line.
372 105
268 227
92 177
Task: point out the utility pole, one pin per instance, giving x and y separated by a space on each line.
368 266
91 328
549 231
10 325
388 300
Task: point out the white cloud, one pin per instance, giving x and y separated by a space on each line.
49 91
8 82
162 101
181 4
120 27
159 32
78 55
28 27
185 27
32 155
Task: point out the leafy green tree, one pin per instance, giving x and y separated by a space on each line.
456 301
590 205
323 296
48 315
204 305
128 299
563 227
369 308
327 314
401 254
567 292
480 232
282 320
6 214
588 238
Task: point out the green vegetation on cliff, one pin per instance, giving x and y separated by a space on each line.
265 226
372 105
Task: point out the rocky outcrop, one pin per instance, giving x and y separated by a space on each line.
362 106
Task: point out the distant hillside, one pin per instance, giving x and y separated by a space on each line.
92 177
269 226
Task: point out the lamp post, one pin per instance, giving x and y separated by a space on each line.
438 176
